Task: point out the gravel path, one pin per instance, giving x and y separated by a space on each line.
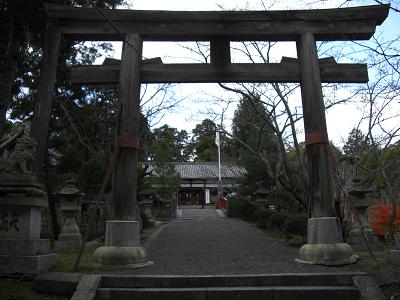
201 243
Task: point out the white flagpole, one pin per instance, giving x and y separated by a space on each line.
217 142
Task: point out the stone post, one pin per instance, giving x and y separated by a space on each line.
22 198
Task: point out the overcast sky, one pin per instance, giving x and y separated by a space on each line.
340 119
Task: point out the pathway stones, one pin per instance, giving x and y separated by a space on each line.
201 243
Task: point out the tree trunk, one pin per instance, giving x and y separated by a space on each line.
43 106
8 67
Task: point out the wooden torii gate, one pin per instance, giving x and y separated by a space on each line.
220 28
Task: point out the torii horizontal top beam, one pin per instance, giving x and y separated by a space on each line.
286 71
355 23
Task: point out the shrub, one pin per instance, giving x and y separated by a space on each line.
277 220
264 223
261 213
252 210
296 225
296 241
238 207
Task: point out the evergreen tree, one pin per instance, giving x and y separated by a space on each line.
203 141
165 179
356 143
171 140
250 126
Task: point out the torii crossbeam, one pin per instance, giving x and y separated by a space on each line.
305 27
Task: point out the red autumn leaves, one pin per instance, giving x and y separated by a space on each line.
379 216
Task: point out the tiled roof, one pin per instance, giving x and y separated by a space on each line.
206 170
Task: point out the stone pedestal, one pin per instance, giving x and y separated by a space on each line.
25 256
394 254
21 249
146 206
70 238
325 246
122 246
22 198
355 239
358 243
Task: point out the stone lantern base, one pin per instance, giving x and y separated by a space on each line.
146 206
122 247
394 254
70 238
358 243
325 246
394 257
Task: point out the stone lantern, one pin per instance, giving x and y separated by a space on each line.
146 206
70 238
261 195
361 203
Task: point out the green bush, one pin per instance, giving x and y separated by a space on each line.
264 223
293 228
261 214
268 219
277 220
296 241
296 225
252 209
238 207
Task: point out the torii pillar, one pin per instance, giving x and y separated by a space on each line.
122 238
325 245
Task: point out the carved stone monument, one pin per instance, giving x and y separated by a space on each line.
22 198
70 238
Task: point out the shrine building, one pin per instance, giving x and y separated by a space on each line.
199 180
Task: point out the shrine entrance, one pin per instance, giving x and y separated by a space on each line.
305 27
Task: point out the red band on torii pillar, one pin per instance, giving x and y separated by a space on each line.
316 138
127 141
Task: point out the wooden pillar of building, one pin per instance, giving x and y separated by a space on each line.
316 136
124 203
44 99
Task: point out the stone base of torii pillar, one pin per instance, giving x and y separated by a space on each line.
122 248
325 245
